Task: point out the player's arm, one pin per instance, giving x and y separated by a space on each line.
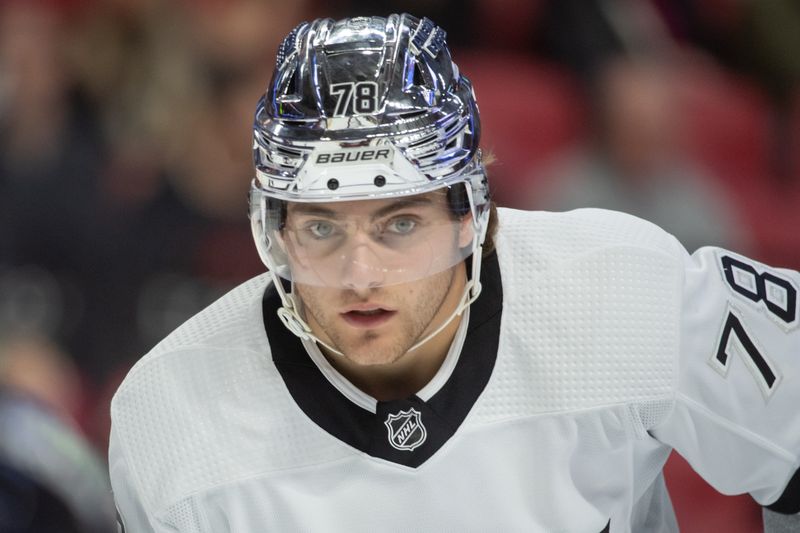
131 515
736 416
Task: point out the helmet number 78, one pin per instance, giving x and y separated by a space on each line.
355 98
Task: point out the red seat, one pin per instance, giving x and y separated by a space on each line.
529 111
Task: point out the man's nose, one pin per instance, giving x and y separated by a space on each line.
362 267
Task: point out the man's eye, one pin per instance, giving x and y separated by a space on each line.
401 226
320 229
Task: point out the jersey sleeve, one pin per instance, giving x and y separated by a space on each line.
736 415
131 515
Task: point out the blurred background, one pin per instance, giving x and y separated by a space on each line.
125 163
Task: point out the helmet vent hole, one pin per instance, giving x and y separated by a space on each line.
418 79
413 114
291 87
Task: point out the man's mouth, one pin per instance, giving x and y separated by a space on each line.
368 318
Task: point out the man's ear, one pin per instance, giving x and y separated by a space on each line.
466 231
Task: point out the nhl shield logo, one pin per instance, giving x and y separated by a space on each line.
406 431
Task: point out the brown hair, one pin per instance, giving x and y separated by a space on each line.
488 244
459 208
491 230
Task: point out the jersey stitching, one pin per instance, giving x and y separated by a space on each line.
244 316
751 437
265 474
680 284
135 479
137 369
580 411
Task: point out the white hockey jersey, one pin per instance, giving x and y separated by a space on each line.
597 345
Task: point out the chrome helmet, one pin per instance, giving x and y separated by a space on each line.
365 108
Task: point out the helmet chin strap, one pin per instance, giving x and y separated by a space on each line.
291 317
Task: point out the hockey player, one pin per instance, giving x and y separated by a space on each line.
405 366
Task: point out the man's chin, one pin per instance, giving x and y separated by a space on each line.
374 353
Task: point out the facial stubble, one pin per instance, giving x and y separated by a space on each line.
415 321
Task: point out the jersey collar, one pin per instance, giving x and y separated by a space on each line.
407 431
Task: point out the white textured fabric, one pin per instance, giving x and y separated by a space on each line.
607 334
206 407
597 318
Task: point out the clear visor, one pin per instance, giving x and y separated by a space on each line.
368 243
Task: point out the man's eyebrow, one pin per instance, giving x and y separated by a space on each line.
311 210
398 205
402 203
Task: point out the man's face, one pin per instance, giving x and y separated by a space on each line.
375 276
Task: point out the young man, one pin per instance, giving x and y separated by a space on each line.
395 371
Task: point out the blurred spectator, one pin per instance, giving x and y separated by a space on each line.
51 481
174 84
634 163
31 365
585 35
769 41
530 112
137 63
49 149
50 157
758 38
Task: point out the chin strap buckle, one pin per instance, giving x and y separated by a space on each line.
471 292
293 324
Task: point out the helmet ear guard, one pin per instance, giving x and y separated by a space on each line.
258 219
265 225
